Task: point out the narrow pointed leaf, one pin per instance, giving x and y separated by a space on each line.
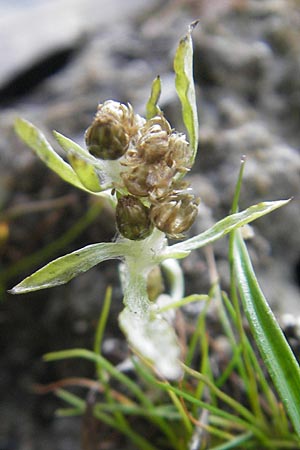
275 350
87 167
152 109
63 269
68 145
37 141
184 82
85 172
224 227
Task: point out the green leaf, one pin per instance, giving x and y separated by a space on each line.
63 269
153 338
84 164
223 227
275 350
151 108
37 141
68 145
85 172
184 82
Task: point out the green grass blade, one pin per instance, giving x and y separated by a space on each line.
243 423
275 350
223 227
71 399
68 412
184 82
235 442
138 440
136 410
132 386
37 141
184 301
151 108
102 322
63 269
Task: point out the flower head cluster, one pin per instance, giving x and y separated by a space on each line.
111 131
153 159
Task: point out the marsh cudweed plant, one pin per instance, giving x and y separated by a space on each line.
139 164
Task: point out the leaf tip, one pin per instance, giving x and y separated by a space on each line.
17 290
18 123
193 25
46 357
12 291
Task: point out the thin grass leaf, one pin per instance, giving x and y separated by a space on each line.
102 322
165 386
234 443
184 82
234 404
223 227
138 440
68 412
183 301
275 350
151 108
136 410
132 386
63 269
37 141
182 411
71 399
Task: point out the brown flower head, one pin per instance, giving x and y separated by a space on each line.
153 143
175 214
109 135
178 152
132 218
145 180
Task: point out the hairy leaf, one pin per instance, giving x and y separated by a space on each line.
68 145
184 82
37 141
63 269
84 164
224 227
151 108
85 172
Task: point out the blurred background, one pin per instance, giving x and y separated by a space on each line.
59 59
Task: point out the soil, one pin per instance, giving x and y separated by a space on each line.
65 58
